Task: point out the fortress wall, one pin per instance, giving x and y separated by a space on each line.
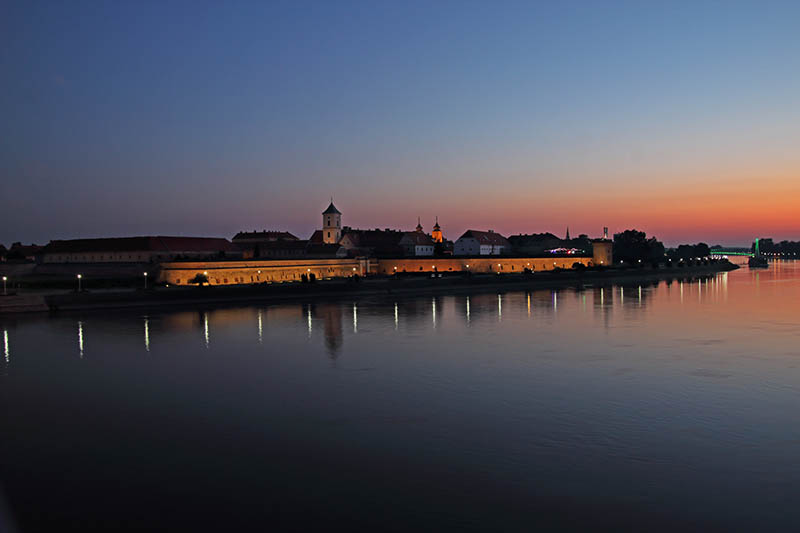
496 264
246 272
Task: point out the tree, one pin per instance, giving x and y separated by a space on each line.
633 246
199 279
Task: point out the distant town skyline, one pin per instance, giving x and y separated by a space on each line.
125 119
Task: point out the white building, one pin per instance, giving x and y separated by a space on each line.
416 243
474 242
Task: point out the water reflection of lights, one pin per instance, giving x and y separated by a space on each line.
80 338
433 309
146 334
355 318
640 296
499 307
621 295
555 301
602 296
205 329
681 285
308 315
260 328
6 349
396 316
467 309
529 304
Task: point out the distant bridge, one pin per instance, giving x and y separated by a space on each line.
723 252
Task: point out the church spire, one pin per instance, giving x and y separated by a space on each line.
419 225
568 233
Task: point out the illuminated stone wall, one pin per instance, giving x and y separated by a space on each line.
247 272
503 265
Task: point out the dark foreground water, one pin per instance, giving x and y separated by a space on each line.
667 406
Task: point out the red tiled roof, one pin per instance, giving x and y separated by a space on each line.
316 237
152 244
486 237
265 235
417 238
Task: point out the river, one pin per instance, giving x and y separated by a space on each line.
665 406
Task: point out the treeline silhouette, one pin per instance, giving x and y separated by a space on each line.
768 246
633 246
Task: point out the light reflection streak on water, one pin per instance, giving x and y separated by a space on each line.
467 309
146 334
205 329
602 296
681 284
433 308
6 349
396 316
640 296
499 307
308 314
725 286
555 301
355 318
80 338
621 296
260 328
529 304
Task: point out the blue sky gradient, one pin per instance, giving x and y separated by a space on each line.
207 118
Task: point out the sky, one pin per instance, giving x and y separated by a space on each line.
681 119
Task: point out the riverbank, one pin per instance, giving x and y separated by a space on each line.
342 288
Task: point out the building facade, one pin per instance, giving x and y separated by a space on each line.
474 242
416 243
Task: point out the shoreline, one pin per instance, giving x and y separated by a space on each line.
337 289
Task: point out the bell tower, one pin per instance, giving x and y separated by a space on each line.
437 232
331 225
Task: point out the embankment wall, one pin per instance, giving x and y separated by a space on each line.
249 272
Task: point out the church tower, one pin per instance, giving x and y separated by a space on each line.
419 226
437 232
331 225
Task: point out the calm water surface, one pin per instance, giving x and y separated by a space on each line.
661 406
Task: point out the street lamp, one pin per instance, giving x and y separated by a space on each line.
79 283
145 280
